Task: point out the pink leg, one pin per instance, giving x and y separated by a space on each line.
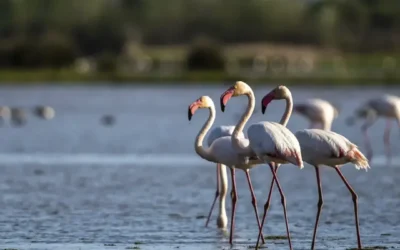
266 206
234 199
283 201
320 203
216 193
355 198
254 202
386 137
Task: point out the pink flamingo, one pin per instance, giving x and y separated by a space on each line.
272 142
221 151
318 111
387 106
222 182
322 147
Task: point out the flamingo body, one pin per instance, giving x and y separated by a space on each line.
321 147
387 106
317 111
275 142
221 131
225 153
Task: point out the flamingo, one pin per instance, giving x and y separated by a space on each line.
222 152
318 111
271 142
387 106
44 112
222 182
323 147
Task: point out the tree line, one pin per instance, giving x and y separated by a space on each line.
37 33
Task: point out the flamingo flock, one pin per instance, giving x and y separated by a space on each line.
274 144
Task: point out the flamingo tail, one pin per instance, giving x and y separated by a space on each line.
358 159
295 158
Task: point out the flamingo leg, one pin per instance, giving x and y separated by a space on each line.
364 129
320 204
234 199
283 201
267 203
254 202
386 141
355 198
216 193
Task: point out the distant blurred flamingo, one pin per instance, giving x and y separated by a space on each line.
272 142
322 147
221 151
387 106
222 182
318 111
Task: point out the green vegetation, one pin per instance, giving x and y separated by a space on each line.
371 248
277 237
322 41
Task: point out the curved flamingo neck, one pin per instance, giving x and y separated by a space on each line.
288 111
326 125
198 145
242 122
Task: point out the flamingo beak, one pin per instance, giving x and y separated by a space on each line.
265 101
225 97
192 109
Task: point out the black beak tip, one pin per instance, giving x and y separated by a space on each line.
189 115
263 109
222 105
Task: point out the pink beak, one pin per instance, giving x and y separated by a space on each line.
192 109
225 98
265 101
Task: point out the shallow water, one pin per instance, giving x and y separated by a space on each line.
71 183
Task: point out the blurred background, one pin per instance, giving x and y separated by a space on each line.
96 148
142 40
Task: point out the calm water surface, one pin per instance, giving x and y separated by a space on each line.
72 183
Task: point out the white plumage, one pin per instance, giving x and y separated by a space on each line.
222 180
221 131
317 111
387 106
274 142
321 147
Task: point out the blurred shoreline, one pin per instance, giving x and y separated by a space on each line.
71 77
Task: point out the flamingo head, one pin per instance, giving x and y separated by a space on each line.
201 103
361 113
278 93
238 89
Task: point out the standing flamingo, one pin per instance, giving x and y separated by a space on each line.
387 106
322 147
221 151
318 111
222 182
272 142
